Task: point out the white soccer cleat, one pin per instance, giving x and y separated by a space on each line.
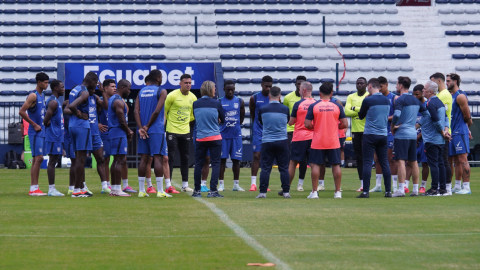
299 187
313 195
338 195
187 189
235 188
376 189
321 188
398 193
221 187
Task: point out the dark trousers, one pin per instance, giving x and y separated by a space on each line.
446 164
302 168
271 151
375 144
201 149
182 143
357 138
436 163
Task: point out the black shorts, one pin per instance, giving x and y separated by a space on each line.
319 157
300 150
342 142
405 149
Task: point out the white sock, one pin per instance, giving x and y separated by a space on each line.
51 187
125 183
415 188
406 183
76 190
458 184
300 182
449 187
263 193
236 182
119 187
321 182
104 184
424 183
204 182
466 185
184 184
361 183
222 182
160 184
401 187
71 187
254 180
379 180
32 188
141 184
149 182
342 162
85 186
395 180
168 183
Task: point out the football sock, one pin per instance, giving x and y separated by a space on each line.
361 183
204 182
395 178
33 187
236 182
149 182
104 184
51 187
221 182
406 183
466 185
125 183
71 187
184 184
300 182
424 183
321 182
160 183
415 188
401 187
85 186
254 180
342 162
379 180
458 184
141 184
449 187
168 183
76 190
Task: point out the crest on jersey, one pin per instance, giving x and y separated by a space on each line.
40 150
58 149
235 105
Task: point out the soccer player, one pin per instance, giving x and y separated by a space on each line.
209 114
290 101
257 101
352 107
445 96
149 116
460 142
179 111
79 129
434 132
231 130
53 122
273 117
110 88
35 105
119 134
375 109
325 118
403 128
68 146
302 136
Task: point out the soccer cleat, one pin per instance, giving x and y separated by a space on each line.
253 188
364 195
163 195
388 194
360 189
81 194
214 194
431 192
142 194
375 189
106 191
37 192
398 193
421 190
443 192
70 192
320 188
299 187
129 190
187 189
268 189
287 196
464 191
394 189
221 187
119 193
204 188
151 190
197 194
312 196
337 195
280 193
236 188
414 194
455 189
406 190
262 196
171 190
55 193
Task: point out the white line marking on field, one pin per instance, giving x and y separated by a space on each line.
240 232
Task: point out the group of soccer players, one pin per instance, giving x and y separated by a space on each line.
394 130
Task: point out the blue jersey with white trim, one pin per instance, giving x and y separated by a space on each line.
115 130
84 108
37 114
260 101
148 98
92 114
54 132
231 128
459 127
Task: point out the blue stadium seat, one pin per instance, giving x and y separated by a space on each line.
243 81
261 33
363 56
400 44
254 56
344 33
90 57
8 45
245 93
311 80
471 56
8 80
258 80
221 23
8 57
327 80
279 45
239 56
476 33
389 56
118 57
386 44
49 57
294 56
454 44
226 56
346 44
23 92
296 69
281 56
464 33
6 93
252 45
255 69
238 45
63 57
131 57
144 45
235 23
468 44
47 69
373 44
8 69
158 45
76 45
397 33
21 57
310 68
359 44
376 56
76 57
35 57
403 56
267 56
25 69
269 69
239 69
22 81
103 57
284 80
349 56
224 33
283 69
357 33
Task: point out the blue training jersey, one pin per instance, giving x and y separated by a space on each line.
231 107
84 108
92 114
375 109
406 109
37 114
433 125
54 132
274 117
103 119
458 125
148 98
115 131
260 101
207 111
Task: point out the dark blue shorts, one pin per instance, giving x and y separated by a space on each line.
319 156
54 148
37 145
155 144
106 147
300 150
421 153
118 146
81 139
342 142
97 142
460 144
405 149
232 147
257 143
390 140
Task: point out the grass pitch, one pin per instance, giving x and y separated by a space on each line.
106 232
